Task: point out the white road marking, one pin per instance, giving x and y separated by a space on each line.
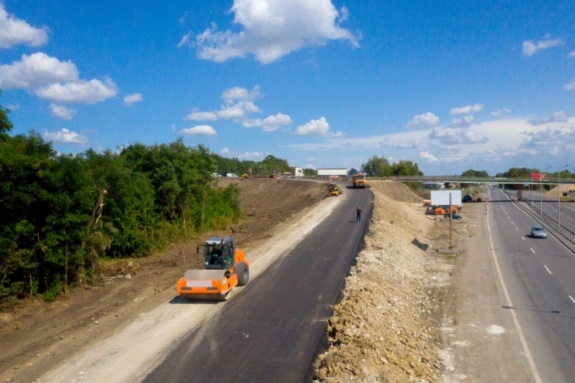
572 300
546 268
528 355
533 251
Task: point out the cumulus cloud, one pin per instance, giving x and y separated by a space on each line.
424 120
196 115
239 104
501 112
462 122
270 123
457 136
36 70
199 130
319 128
427 156
467 109
54 80
250 155
84 92
531 47
570 86
271 29
66 136
133 99
14 31
555 117
225 151
62 112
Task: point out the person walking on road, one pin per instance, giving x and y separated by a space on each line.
358 214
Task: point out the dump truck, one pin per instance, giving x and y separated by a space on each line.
225 267
359 180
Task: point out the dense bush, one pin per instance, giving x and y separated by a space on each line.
60 214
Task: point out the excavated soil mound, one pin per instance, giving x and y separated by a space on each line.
385 329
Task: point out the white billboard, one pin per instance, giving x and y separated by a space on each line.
441 197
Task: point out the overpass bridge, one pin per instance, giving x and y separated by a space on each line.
548 180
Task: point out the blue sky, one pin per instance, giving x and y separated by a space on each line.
452 85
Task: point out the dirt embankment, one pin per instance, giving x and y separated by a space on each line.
386 328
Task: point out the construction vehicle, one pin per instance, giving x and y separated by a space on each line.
333 190
441 210
248 174
225 267
359 180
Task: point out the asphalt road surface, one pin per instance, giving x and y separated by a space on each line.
537 288
274 328
564 211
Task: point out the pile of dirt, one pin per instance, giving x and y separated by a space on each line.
385 329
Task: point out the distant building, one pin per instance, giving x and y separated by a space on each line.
330 172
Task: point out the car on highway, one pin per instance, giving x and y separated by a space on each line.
538 231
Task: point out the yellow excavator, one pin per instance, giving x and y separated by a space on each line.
225 267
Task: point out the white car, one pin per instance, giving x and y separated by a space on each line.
538 231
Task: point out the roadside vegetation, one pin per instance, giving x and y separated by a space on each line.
60 215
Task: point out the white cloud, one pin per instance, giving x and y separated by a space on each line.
66 137
319 128
457 136
14 31
555 117
250 155
199 130
225 151
271 29
428 156
570 86
462 122
54 80
133 98
36 70
501 112
532 47
467 109
195 115
62 112
270 123
426 120
84 92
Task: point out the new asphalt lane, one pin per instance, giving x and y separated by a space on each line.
273 330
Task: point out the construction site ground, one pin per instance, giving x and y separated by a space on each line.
386 327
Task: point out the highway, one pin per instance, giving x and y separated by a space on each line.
551 206
274 328
537 289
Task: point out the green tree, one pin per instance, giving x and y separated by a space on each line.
5 123
377 167
475 173
405 168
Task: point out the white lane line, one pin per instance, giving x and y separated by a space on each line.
533 251
572 300
528 355
546 268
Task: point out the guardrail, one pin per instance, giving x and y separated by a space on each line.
566 236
